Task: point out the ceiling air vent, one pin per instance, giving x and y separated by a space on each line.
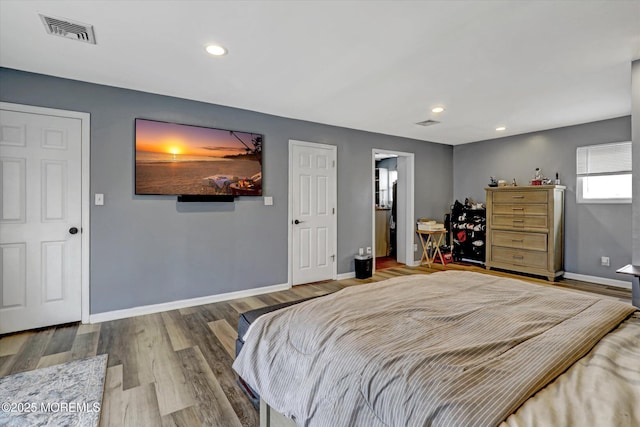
428 123
69 29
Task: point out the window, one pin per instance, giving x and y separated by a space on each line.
383 187
604 173
385 179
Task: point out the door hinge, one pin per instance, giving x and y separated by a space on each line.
333 211
333 163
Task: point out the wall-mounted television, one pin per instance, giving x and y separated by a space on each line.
185 160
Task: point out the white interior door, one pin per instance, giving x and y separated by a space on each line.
312 189
40 220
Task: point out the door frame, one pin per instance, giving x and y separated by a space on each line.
405 231
334 222
85 205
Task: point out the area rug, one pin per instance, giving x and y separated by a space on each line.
69 394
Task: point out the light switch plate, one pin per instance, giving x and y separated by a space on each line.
268 200
99 199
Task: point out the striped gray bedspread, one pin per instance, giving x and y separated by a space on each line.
446 349
602 389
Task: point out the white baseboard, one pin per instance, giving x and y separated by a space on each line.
598 280
174 305
343 276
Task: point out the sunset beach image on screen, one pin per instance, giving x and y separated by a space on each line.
178 159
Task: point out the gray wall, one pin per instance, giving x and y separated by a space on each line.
150 249
635 147
391 163
591 230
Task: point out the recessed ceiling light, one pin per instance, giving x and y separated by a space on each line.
216 50
501 128
437 109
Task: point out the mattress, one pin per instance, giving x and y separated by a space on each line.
247 318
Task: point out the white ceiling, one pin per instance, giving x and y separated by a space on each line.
372 65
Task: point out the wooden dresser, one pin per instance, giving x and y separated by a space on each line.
525 229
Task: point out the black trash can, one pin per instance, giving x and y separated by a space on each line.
364 266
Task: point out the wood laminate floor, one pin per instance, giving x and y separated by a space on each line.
174 368
384 262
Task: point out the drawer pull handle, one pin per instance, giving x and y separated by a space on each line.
517 240
518 220
518 257
517 209
518 197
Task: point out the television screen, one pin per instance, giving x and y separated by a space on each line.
176 159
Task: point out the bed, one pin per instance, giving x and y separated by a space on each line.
447 349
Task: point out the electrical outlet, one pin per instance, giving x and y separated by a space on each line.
415 247
604 261
368 250
361 251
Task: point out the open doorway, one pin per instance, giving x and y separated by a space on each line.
392 233
386 211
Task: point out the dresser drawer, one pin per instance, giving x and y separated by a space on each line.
520 197
520 209
519 221
519 257
509 239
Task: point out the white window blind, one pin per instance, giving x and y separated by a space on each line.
604 158
604 173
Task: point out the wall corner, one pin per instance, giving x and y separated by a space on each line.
635 138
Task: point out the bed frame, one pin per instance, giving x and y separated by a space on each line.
269 417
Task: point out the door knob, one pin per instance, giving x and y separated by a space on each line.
73 230
297 222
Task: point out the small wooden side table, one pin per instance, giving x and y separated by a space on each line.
634 270
425 238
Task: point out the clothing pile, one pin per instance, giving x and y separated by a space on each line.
468 226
